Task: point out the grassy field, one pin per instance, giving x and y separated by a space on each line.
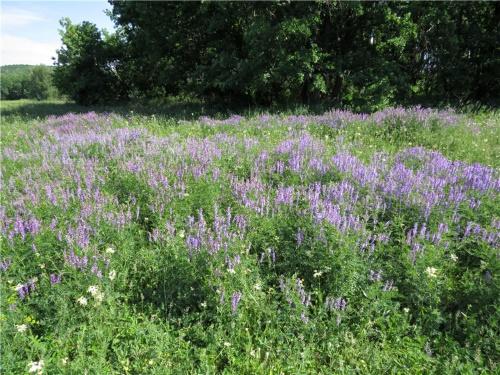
157 240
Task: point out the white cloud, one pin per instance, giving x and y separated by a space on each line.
13 17
19 50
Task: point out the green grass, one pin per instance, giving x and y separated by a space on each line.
161 309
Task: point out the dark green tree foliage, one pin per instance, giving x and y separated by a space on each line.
361 55
459 56
86 64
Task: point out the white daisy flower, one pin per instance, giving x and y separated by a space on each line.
93 289
317 273
36 367
22 327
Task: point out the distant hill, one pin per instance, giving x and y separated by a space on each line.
18 68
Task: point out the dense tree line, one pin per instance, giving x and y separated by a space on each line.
27 82
361 55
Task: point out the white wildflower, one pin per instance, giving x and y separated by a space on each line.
93 289
64 361
453 257
317 273
21 327
82 301
110 250
36 367
431 271
112 275
99 297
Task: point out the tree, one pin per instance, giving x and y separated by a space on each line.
27 82
86 64
40 82
362 55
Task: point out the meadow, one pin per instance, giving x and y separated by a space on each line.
136 242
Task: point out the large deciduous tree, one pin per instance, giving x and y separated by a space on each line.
86 66
362 55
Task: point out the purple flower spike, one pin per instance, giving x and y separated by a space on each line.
55 279
235 300
5 264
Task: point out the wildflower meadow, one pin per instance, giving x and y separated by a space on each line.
269 243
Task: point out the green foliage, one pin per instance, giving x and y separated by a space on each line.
86 64
161 310
457 52
363 56
27 82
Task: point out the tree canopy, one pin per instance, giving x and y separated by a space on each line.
362 55
27 82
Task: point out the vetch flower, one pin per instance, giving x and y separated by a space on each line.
55 279
18 287
235 300
304 318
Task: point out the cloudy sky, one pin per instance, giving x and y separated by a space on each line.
29 29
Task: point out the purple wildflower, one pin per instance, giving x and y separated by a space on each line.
235 300
55 279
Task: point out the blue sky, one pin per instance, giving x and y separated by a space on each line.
29 29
